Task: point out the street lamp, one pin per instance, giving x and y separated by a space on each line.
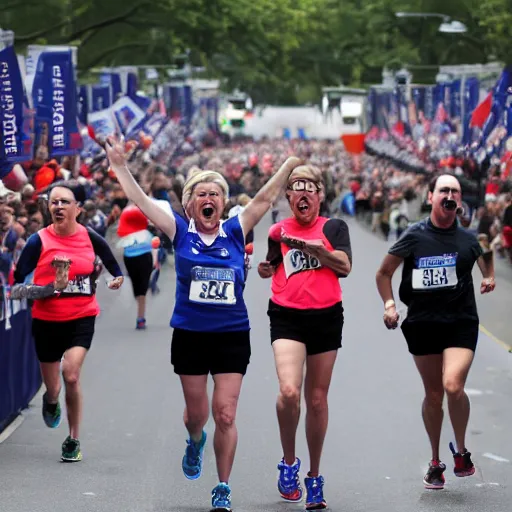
448 26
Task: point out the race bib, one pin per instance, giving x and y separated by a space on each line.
78 286
434 272
213 286
296 261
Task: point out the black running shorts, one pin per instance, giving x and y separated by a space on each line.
52 339
426 338
319 329
139 270
201 353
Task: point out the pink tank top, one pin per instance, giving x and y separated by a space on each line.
77 300
300 281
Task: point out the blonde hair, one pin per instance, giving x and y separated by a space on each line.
309 173
198 176
243 200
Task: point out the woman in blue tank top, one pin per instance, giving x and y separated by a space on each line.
210 320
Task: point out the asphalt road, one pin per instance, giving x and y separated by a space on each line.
376 450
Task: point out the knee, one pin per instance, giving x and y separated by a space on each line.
290 396
453 386
196 413
71 376
317 401
224 416
434 397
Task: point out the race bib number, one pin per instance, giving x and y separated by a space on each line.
297 261
78 286
434 272
213 286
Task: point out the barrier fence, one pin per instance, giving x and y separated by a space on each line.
20 376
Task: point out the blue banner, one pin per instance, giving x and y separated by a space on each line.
418 96
429 103
101 97
455 99
15 143
83 104
115 84
471 97
131 85
371 108
20 377
174 98
213 114
54 95
142 101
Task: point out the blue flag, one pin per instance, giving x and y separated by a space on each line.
101 97
15 143
54 95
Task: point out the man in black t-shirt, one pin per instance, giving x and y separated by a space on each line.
441 328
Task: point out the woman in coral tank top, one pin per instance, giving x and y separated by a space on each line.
63 258
307 255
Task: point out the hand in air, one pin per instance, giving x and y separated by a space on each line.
116 151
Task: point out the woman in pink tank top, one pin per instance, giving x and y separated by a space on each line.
62 258
306 257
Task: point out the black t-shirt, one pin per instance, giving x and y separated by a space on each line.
437 285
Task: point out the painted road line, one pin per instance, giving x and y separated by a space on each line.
11 428
16 423
497 458
501 343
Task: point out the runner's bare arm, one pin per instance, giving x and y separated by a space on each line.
267 195
486 265
162 219
384 285
385 275
336 260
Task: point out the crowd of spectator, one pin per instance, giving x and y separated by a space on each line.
387 194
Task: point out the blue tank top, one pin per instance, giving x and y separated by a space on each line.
210 279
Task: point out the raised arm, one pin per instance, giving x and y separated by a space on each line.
162 219
267 195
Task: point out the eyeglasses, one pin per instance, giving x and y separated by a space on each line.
447 190
304 185
62 202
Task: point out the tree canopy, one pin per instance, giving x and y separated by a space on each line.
276 51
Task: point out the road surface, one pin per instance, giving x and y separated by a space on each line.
376 449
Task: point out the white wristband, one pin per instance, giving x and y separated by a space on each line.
389 303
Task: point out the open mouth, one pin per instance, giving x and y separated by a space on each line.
303 206
449 204
208 211
59 216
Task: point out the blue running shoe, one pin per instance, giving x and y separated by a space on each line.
51 413
141 324
289 482
315 493
221 498
193 459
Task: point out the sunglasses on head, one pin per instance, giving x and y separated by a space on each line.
304 185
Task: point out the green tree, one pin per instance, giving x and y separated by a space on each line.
276 51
